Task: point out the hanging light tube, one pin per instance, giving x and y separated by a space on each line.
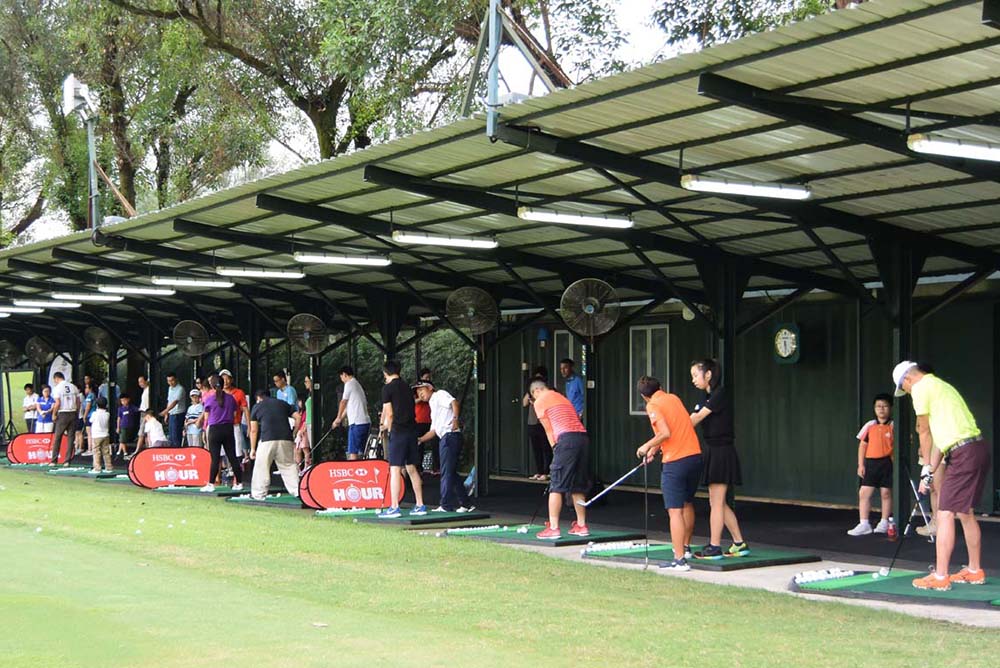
349 260
247 272
136 290
85 297
424 239
190 282
18 309
46 303
568 218
748 188
956 148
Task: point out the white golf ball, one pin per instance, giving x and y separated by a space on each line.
170 526
141 520
138 531
874 576
184 521
38 529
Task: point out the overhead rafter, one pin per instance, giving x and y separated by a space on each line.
614 162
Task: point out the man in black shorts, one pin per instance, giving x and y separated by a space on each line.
399 421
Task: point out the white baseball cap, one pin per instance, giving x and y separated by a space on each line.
899 373
226 372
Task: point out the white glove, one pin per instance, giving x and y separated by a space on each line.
925 471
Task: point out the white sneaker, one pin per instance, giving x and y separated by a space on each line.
927 531
238 487
882 527
439 509
207 488
863 529
464 509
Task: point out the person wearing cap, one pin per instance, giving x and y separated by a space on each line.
948 432
445 428
192 421
242 413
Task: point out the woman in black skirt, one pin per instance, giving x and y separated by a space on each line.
722 465
536 432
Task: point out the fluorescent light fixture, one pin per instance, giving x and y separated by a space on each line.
18 309
46 303
957 148
241 272
188 282
352 260
85 297
567 218
136 290
424 239
749 188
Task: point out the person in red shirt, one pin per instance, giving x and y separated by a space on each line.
422 414
568 473
680 452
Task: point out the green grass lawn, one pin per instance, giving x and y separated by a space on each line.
236 586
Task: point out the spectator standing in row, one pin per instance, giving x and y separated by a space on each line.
573 386
192 421
128 424
100 434
175 410
422 411
536 432
143 384
30 410
241 413
86 411
43 411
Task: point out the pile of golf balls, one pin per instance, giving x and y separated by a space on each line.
613 546
825 574
461 530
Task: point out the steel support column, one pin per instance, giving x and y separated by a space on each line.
900 266
725 283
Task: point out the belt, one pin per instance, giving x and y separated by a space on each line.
964 442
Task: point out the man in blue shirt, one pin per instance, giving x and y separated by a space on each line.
573 385
285 391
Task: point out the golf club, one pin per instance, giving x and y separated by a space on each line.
613 485
545 495
645 514
906 530
921 500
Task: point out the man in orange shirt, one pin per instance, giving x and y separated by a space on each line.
568 472
680 452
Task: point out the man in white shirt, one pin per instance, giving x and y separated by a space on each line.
30 399
143 407
354 406
67 405
444 425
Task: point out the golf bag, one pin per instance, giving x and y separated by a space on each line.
373 446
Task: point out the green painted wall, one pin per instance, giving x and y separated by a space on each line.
795 423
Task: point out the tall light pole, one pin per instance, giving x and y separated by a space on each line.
76 100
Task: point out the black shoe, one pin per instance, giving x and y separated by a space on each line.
711 552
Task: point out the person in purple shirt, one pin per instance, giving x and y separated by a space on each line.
218 417
573 385
128 424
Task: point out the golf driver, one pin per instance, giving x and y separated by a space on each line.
613 485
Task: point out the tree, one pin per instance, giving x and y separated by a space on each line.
714 21
20 194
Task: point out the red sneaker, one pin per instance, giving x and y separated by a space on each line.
578 530
932 582
549 533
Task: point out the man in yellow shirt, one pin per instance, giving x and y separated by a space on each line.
948 432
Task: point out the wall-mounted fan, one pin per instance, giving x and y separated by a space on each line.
307 332
590 307
473 309
191 338
10 354
39 351
98 340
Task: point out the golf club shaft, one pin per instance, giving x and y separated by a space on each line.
538 505
613 485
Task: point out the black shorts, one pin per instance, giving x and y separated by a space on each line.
568 472
679 481
721 465
878 473
128 435
403 448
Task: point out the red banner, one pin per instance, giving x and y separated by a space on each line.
362 483
35 449
162 467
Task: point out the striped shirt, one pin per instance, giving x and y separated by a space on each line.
557 415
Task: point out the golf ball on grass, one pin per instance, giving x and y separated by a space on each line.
522 530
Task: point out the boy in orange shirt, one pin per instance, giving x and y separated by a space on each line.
680 452
875 467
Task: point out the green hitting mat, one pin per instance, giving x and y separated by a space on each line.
220 490
420 520
275 501
510 534
898 587
338 514
34 467
120 478
661 554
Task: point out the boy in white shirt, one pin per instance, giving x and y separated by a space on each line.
153 430
30 399
100 420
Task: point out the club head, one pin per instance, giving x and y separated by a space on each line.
583 503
